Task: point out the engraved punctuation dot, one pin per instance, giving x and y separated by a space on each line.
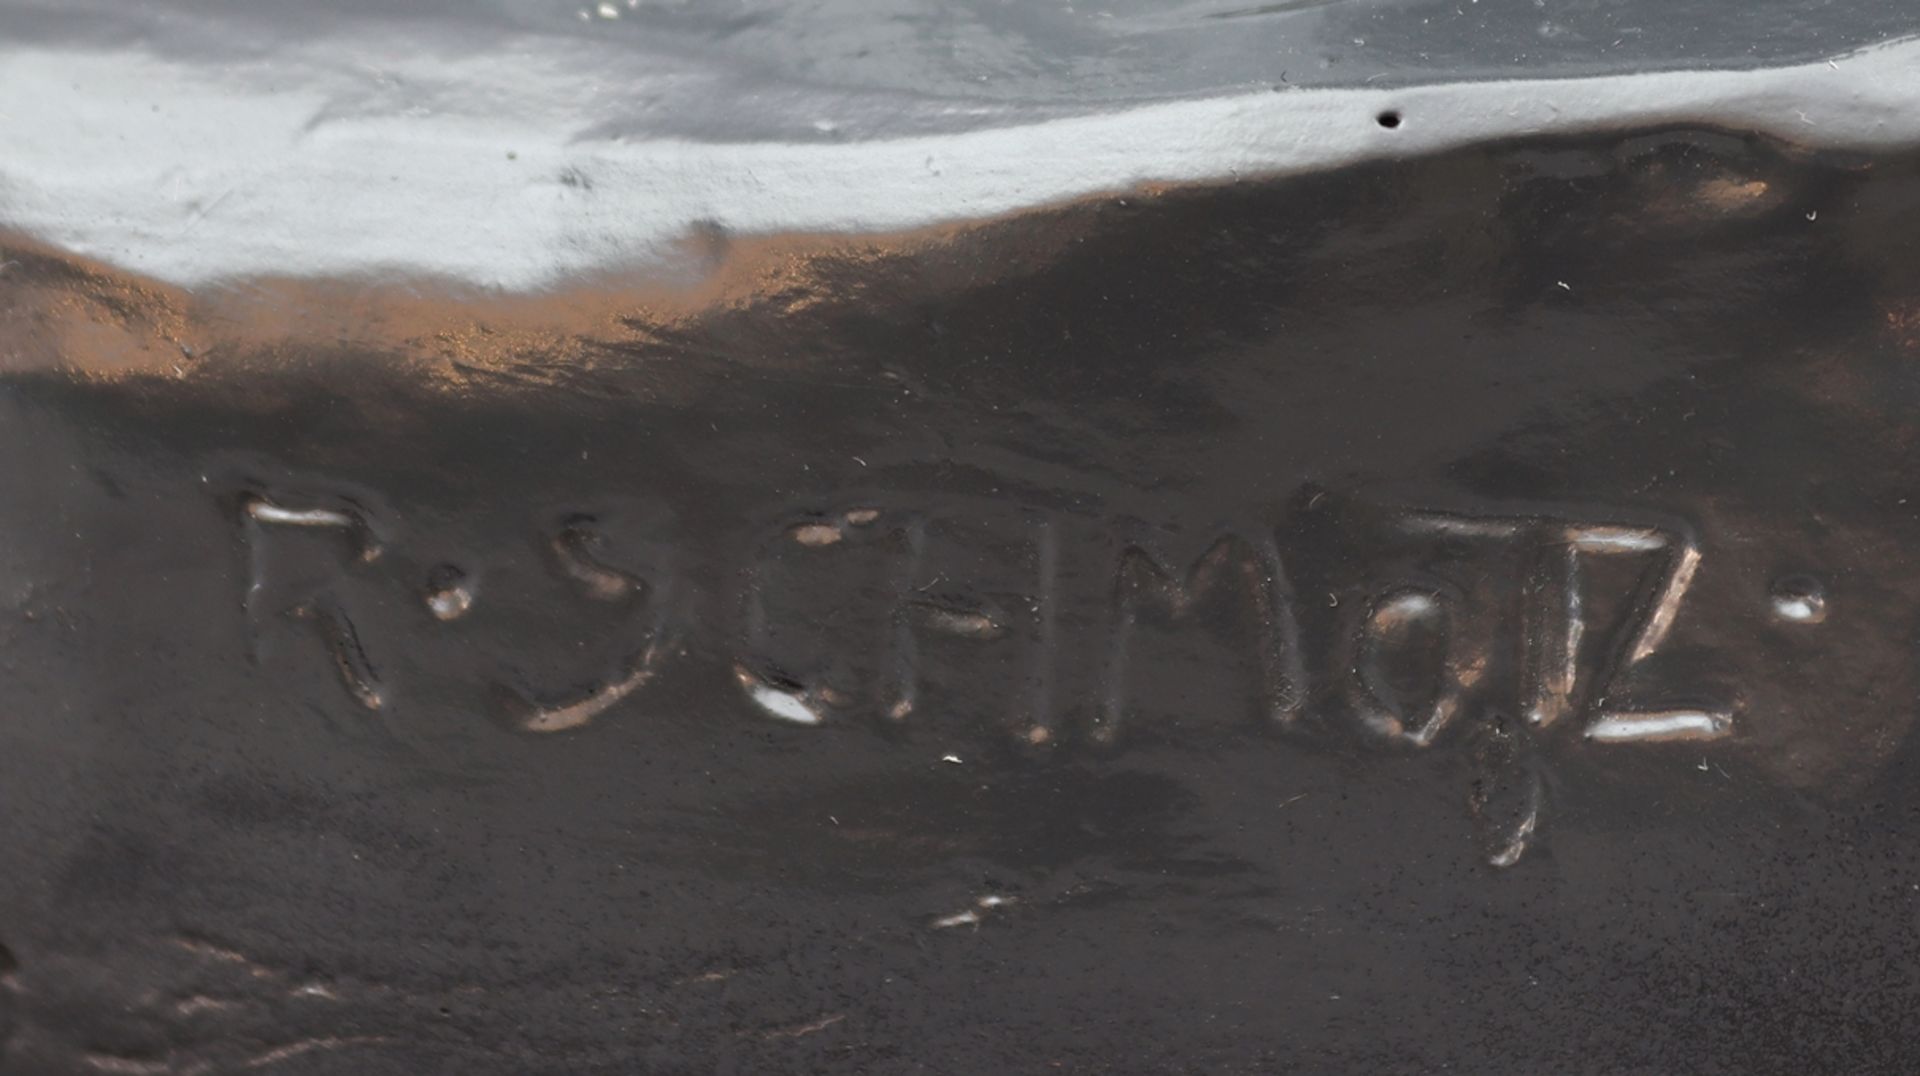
449 594
1799 599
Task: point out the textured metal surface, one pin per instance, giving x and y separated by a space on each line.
892 537
1448 614
901 64
214 145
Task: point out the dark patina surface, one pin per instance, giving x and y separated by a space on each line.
1215 629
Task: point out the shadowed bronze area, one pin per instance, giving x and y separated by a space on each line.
1446 612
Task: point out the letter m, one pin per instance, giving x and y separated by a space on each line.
1233 567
